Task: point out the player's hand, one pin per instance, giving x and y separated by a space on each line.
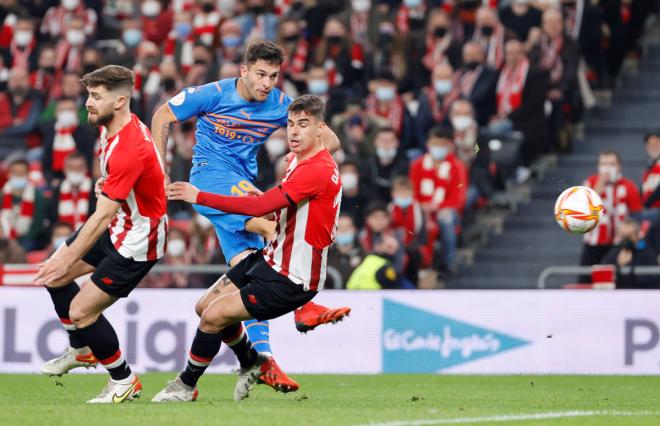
182 191
53 269
254 192
98 187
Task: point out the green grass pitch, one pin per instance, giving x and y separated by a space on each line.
393 400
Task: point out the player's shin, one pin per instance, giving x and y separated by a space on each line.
62 297
204 347
237 339
258 333
102 339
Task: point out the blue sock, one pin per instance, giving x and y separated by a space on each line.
259 334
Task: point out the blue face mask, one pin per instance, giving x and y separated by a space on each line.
438 152
231 41
344 239
385 93
442 87
57 242
132 37
403 202
18 183
318 87
411 4
183 30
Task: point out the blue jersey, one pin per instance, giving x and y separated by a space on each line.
230 130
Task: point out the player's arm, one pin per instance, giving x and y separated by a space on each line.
160 130
58 264
270 201
329 139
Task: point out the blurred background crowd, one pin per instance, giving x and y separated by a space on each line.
439 105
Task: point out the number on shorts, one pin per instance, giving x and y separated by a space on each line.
243 187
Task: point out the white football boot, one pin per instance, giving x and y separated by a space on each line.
116 392
70 359
247 377
176 391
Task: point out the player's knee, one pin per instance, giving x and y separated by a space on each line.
199 308
213 320
80 317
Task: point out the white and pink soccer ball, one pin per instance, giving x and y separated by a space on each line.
578 209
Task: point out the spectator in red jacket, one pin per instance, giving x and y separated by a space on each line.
651 178
440 185
620 199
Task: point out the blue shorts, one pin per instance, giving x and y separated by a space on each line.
230 228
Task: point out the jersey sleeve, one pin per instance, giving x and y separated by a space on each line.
193 101
123 173
305 182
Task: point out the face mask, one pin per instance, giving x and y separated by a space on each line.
403 202
345 239
176 247
440 32
349 181
520 2
231 41
258 10
76 178
207 7
442 87
19 92
610 173
49 70
472 65
150 8
487 30
412 4
469 4
385 38
385 93
57 242
203 222
318 87
169 84
183 30
386 154
361 5
67 118
70 4
334 39
23 38
132 37
461 122
18 183
291 39
438 152
75 37
87 68
275 147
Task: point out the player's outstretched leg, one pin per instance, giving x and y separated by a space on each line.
78 354
310 315
259 334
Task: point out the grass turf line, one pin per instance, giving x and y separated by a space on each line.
336 400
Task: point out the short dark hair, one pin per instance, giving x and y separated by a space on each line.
111 77
401 182
610 152
20 160
441 132
61 224
376 206
309 104
76 155
264 50
649 135
386 129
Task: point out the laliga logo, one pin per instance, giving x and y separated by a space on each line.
417 341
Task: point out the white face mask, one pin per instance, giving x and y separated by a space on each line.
203 222
75 37
318 87
67 118
70 4
76 178
411 4
461 123
442 87
385 93
57 242
275 146
23 38
610 172
150 8
361 5
18 183
349 181
176 247
386 154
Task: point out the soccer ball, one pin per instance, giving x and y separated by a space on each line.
578 209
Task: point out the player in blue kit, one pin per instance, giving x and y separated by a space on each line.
234 118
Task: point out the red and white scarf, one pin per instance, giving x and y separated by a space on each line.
17 219
393 113
298 60
74 202
7 31
493 46
63 145
205 26
551 57
360 28
21 56
67 57
435 51
169 50
467 80
510 87
439 110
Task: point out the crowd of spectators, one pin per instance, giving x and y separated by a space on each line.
415 90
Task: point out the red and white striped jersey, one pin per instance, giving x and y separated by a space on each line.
306 228
134 177
619 200
650 181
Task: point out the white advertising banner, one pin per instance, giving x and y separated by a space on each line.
459 332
